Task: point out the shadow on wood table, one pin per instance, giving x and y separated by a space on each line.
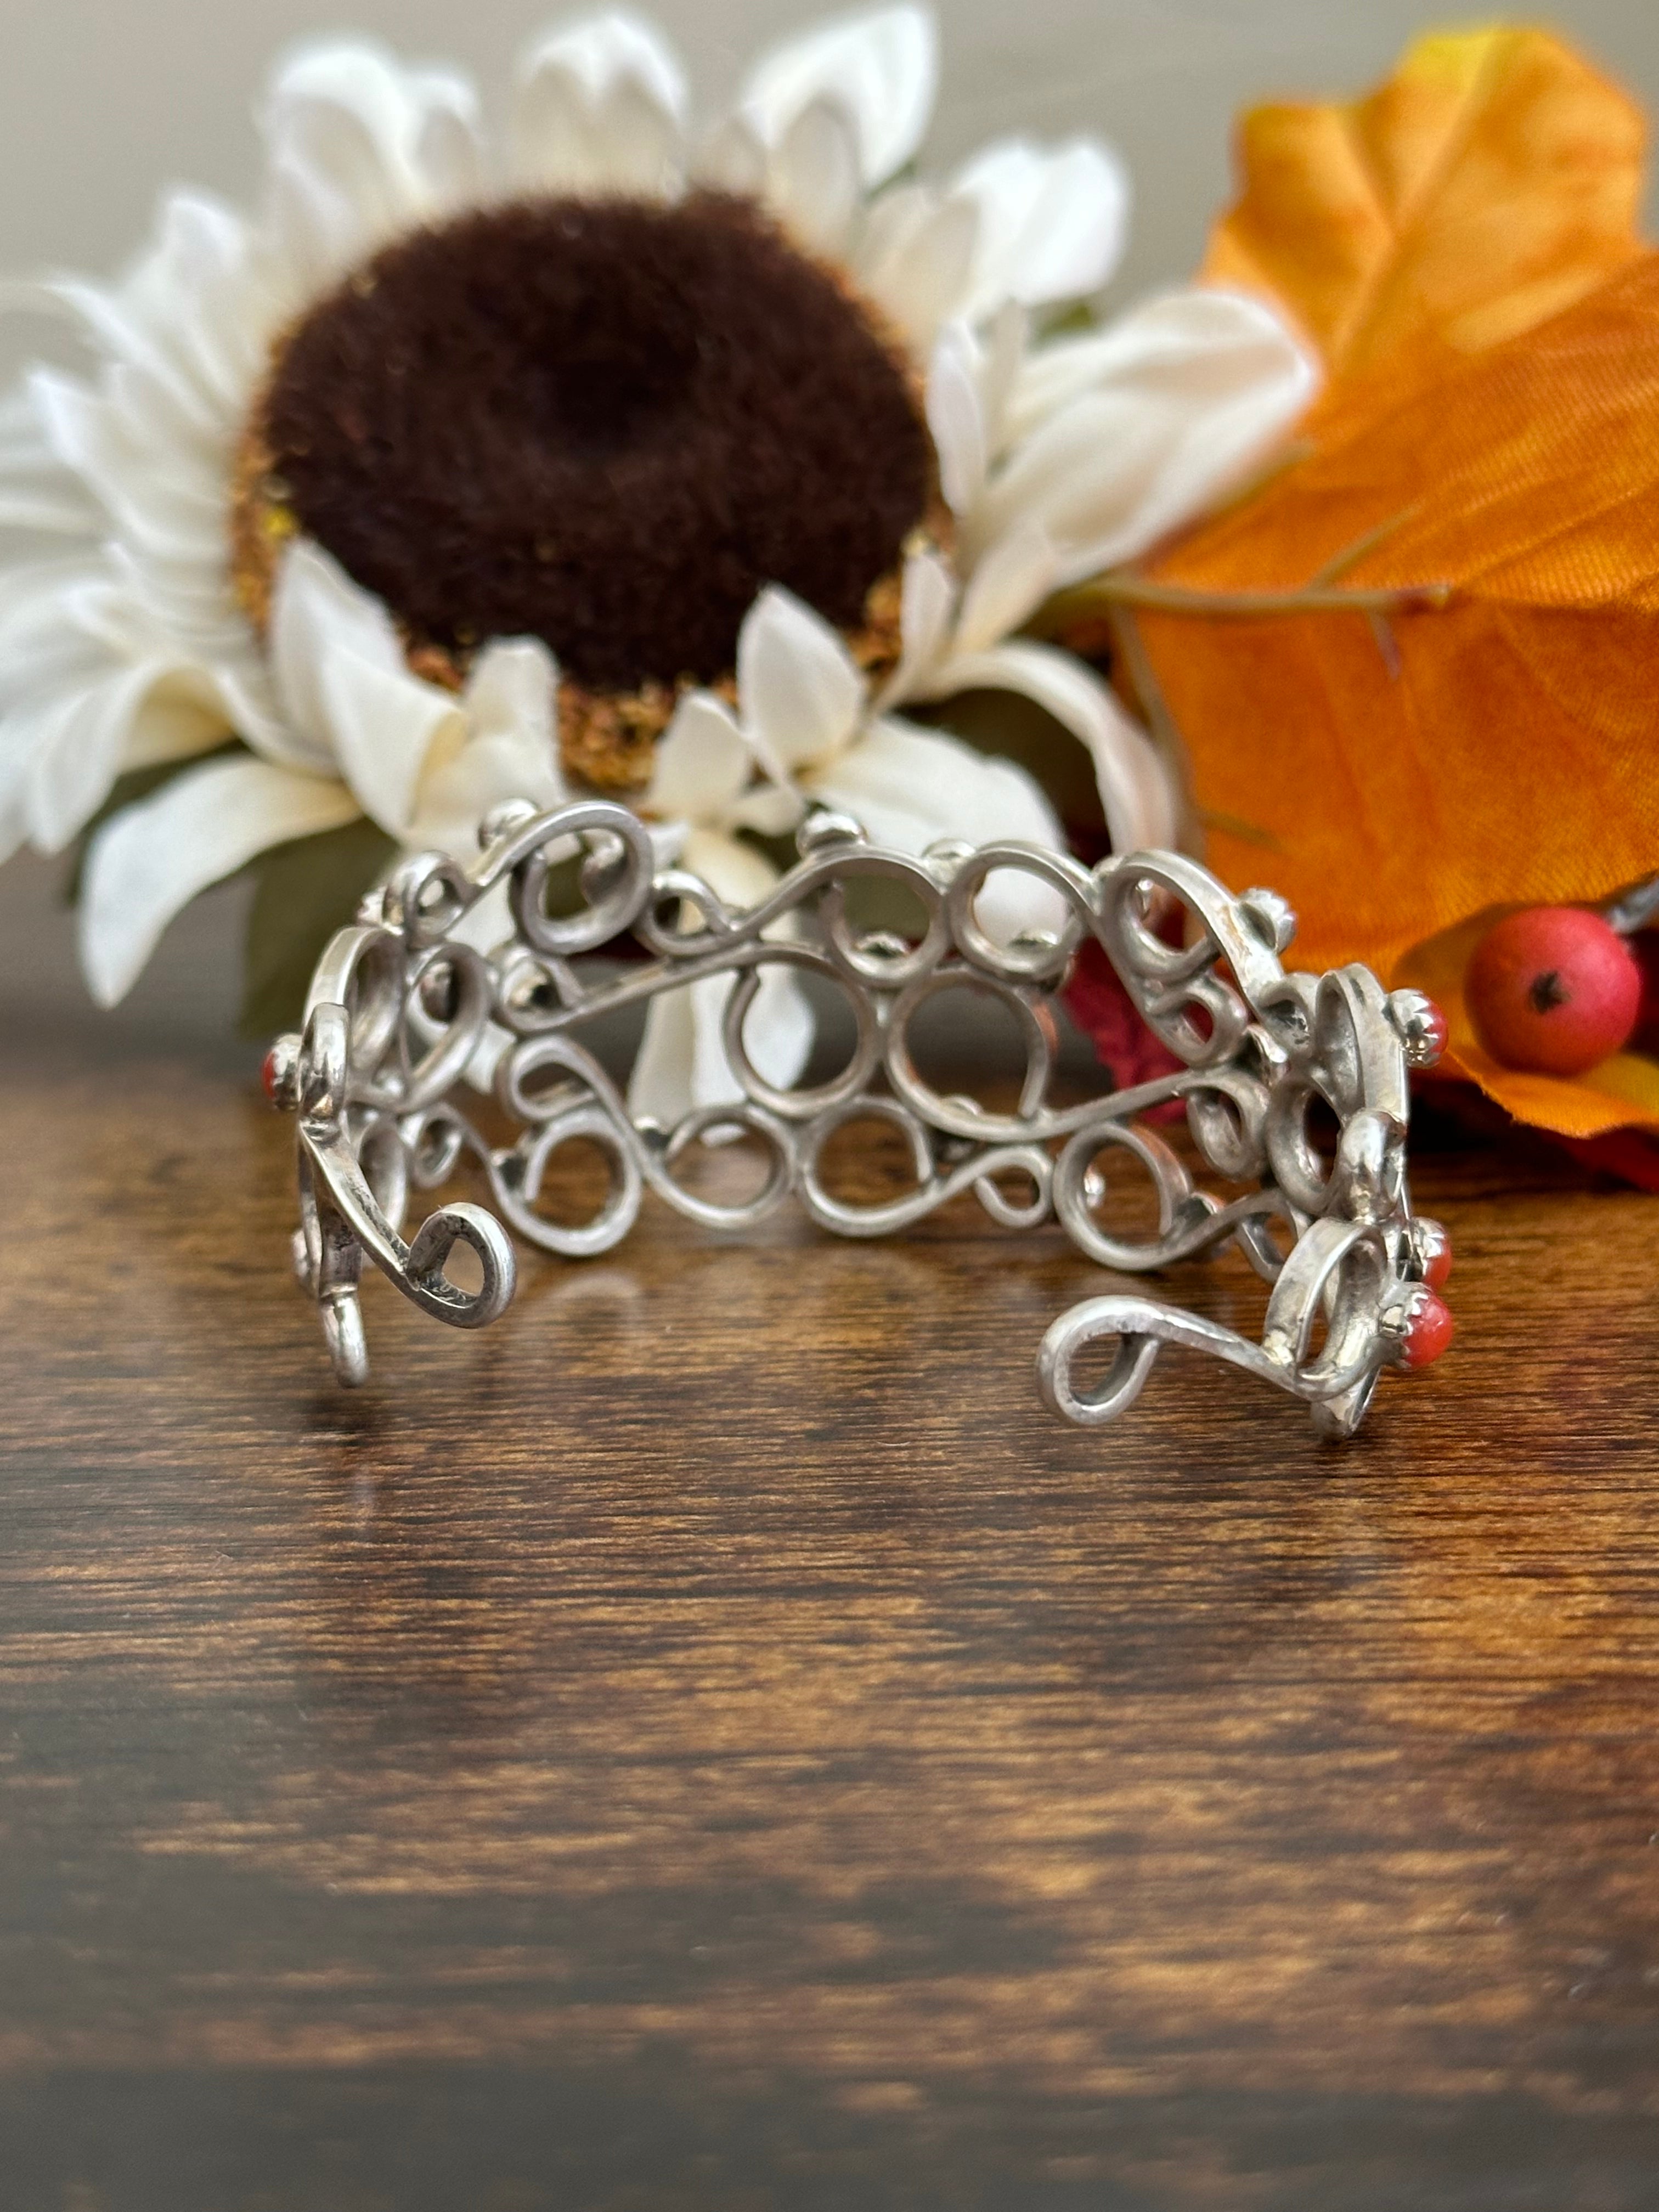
713 1742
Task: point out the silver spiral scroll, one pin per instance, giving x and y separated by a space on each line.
407 1023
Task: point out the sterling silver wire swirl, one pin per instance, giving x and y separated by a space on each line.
405 1019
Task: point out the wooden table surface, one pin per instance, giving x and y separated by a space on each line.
715 1742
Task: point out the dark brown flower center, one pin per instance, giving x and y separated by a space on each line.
603 423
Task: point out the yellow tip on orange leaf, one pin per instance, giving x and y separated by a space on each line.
1495 178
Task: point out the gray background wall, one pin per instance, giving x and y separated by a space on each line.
103 101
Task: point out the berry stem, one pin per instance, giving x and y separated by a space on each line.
1635 910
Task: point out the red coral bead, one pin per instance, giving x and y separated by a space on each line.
1554 990
1435 1033
1438 1261
268 1075
1429 1332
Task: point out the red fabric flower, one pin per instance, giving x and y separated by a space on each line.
1099 1004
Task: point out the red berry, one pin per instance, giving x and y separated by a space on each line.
1429 1331
1553 989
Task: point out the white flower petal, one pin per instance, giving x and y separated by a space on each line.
161 509
348 119
1002 356
1052 223
928 599
924 277
513 691
315 609
151 860
957 419
736 871
67 753
603 50
644 145
350 702
882 67
600 106
890 221
48 628
359 112
1137 790
576 154
107 319
318 231
909 787
21 438
38 491
621 144
14 812
503 744
1010 579
85 737
186 712
251 710
1164 414
771 810
1158 337
801 690
777 1035
704 762
459 783
65 517
487 924
449 156
384 725
733 160
662 1085
912 787
206 253
160 416
813 179
83 694
682 1060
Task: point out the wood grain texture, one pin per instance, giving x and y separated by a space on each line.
713 1742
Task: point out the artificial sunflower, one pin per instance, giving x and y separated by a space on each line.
666 464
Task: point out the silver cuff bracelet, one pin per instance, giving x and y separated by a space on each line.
407 1021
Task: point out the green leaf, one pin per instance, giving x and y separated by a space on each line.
303 892
1076 321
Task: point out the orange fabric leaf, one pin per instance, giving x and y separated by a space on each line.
1622 1093
1494 179
1393 776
